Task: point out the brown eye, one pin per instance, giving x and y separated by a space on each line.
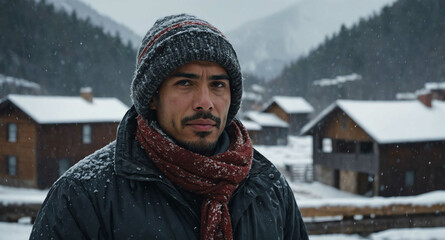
218 84
183 83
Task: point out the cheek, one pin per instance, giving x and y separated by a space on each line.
173 107
178 103
224 103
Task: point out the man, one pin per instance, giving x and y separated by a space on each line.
181 167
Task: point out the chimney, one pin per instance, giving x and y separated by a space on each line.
87 94
425 98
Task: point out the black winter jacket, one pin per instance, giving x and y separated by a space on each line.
117 193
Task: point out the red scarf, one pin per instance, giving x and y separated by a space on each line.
214 177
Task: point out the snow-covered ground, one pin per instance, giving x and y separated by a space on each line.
21 195
16 231
392 234
298 151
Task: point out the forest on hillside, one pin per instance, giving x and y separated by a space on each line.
62 53
395 51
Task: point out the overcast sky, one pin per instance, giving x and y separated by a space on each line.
139 15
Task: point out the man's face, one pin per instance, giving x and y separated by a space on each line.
192 105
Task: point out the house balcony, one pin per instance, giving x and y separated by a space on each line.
366 163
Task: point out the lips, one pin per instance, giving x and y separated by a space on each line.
201 125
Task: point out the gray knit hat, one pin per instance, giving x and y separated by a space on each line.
174 41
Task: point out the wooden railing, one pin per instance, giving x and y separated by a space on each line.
346 219
366 163
12 212
363 220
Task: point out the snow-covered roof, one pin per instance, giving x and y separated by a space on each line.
392 121
251 96
291 104
435 85
58 109
251 125
406 96
265 119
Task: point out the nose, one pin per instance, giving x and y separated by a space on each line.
202 99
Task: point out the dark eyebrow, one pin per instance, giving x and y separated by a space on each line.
220 77
194 76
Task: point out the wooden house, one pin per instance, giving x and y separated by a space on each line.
42 136
293 110
380 148
274 131
250 101
254 130
437 90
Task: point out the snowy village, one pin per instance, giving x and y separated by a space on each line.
349 106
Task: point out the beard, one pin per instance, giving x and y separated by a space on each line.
201 146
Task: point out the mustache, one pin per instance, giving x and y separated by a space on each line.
202 115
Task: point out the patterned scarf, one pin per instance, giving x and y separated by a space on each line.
214 177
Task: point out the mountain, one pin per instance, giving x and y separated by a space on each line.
83 11
266 45
62 53
398 50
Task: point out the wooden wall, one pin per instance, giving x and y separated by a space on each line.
64 141
23 149
277 110
353 167
255 136
427 159
295 121
339 125
272 136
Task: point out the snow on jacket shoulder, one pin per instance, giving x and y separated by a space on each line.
117 193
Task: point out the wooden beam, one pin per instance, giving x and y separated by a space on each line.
370 225
13 212
394 209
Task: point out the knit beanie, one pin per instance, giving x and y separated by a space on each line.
172 42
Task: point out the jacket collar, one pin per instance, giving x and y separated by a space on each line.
130 159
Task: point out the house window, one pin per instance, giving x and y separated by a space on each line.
12 132
326 145
409 178
11 163
86 134
366 147
343 146
64 164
